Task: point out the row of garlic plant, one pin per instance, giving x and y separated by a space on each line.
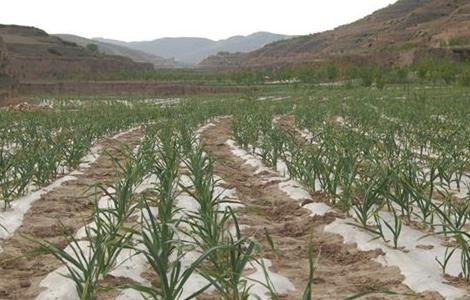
165 232
37 147
406 156
90 259
169 232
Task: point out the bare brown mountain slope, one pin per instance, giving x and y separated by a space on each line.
35 55
395 34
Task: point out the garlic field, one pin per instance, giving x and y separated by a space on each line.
283 193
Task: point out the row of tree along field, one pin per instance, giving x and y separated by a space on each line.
425 71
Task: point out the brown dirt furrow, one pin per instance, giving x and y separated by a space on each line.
343 270
72 204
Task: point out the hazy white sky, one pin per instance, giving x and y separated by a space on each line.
216 19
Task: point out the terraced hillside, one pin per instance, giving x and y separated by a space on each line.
35 55
7 82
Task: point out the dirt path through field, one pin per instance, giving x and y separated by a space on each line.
343 270
71 204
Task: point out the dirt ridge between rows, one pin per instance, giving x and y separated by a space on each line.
343 270
71 204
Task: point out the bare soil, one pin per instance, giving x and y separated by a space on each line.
8 102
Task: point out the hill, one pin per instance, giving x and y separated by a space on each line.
35 55
399 33
193 50
7 81
113 49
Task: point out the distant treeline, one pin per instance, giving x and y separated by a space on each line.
426 70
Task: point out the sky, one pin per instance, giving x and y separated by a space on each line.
138 20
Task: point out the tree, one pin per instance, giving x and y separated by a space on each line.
92 47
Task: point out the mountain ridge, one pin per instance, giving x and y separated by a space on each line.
193 50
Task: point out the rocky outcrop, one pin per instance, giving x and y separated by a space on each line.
36 55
